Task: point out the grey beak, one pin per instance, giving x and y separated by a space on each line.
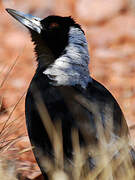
27 20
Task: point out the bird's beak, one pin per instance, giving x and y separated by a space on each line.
27 20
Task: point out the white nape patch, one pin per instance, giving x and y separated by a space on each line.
71 68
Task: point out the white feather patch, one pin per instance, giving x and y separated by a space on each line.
71 68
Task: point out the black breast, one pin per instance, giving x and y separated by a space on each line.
73 106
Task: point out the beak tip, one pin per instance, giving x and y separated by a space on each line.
8 10
27 20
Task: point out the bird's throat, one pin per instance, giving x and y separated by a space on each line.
71 67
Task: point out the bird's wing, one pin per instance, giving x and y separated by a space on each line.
95 111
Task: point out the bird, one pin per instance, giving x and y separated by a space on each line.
62 90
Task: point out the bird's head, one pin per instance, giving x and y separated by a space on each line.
59 43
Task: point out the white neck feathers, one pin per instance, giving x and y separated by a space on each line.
71 68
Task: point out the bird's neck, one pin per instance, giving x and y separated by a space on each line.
44 55
71 68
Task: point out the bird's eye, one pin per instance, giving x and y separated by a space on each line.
53 25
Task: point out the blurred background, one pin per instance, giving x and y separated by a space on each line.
109 26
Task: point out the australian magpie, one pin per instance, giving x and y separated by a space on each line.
63 90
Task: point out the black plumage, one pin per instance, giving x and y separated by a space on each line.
77 107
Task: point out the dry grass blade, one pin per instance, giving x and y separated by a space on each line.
10 132
7 109
11 143
54 132
11 113
58 146
9 71
10 124
25 150
44 114
78 156
1 100
11 68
